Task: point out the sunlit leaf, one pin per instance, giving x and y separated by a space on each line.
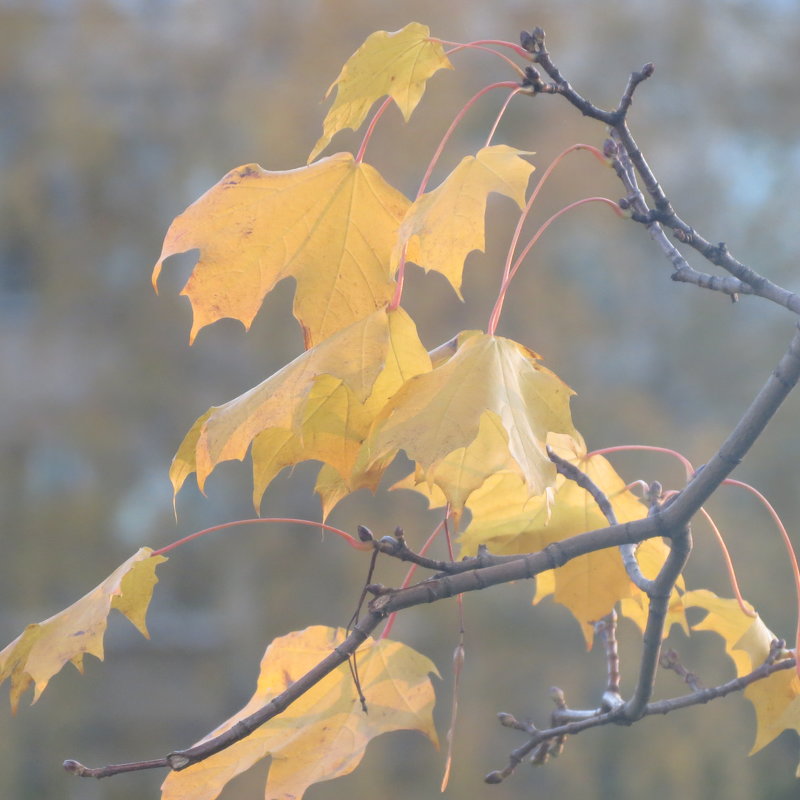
461 472
776 699
45 647
439 412
318 407
324 733
747 639
443 226
397 64
507 519
331 226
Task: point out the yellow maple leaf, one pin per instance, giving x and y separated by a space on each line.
776 699
320 406
462 471
439 412
747 639
332 487
324 733
405 358
331 226
43 648
443 226
508 519
397 64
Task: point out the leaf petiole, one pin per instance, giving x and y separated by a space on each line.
478 44
401 267
370 128
351 540
493 320
494 317
787 542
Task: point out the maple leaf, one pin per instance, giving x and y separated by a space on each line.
324 733
43 648
439 412
397 64
508 519
320 406
461 472
776 701
332 487
747 639
776 698
443 226
331 226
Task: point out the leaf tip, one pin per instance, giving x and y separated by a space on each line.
156 274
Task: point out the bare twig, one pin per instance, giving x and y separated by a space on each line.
669 660
579 477
628 551
663 212
606 630
680 508
572 728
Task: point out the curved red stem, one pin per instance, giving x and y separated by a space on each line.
370 128
351 540
476 45
787 543
494 317
401 267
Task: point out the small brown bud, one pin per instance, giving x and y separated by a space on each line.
365 534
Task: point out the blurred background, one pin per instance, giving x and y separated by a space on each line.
116 114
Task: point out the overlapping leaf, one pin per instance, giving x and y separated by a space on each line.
44 648
443 226
445 410
397 64
323 734
747 641
320 406
508 519
331 226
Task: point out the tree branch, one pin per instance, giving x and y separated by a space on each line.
628 551
659 595
663 212
670 521
703 696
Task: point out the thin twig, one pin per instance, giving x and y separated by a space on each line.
663 213
669 660
703 696
606 630
628 551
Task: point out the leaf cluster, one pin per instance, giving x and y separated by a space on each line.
487 426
